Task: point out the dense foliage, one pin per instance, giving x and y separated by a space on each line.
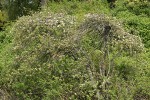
135 15
80 54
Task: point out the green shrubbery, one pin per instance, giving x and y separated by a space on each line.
84 57
136 18
77 7
55 56
3 19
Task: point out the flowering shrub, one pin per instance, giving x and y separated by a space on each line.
40 41
96 24
56 57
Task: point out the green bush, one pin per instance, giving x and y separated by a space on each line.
139 7
76 7
3 19
136 18
57 56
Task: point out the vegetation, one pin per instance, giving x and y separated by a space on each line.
76 50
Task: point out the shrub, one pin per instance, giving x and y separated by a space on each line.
3 19
54 56
135 15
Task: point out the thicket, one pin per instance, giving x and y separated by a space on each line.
135 15
59 56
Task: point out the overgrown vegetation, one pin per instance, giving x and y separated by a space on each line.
77 50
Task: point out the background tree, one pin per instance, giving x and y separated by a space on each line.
17 8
